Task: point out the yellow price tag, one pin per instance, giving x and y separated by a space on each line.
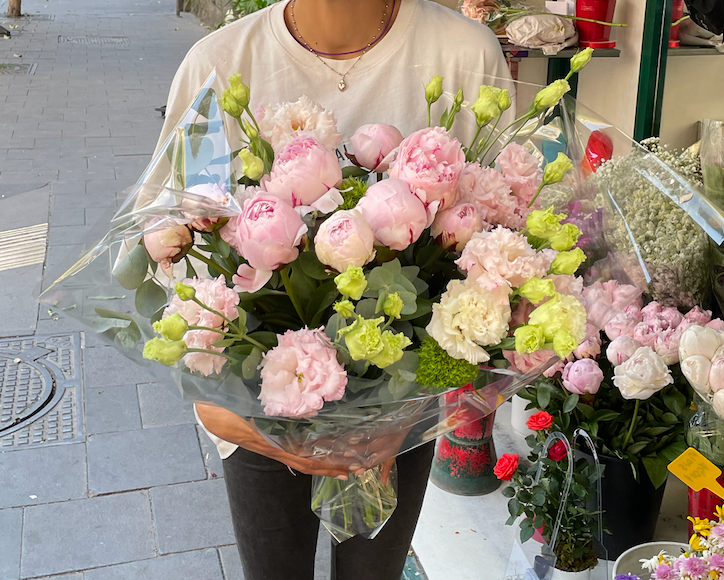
697 472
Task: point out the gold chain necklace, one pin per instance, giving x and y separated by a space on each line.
342 85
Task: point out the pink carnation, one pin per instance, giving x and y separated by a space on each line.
505 256
304 174
203 362
521 171
431 162
299 374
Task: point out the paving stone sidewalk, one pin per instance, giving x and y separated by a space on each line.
139 493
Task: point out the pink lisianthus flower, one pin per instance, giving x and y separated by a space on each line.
698 316
304 175
582 377
299 374
396 215
374 146
521 171
565 284
504 256
431 162
345 239
268 232
454 227
283 123
488 191
203 362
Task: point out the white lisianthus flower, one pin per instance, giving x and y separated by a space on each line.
643 375
281 124
470 316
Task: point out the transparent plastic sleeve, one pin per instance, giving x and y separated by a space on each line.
119 292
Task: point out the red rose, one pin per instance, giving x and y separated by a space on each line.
540 421
506 466
557 451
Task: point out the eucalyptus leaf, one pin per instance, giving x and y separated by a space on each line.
241 321
251 363
205 104
132 269
101 325
149 298
379 278
128 337
103 313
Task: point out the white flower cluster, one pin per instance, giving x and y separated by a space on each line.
671 244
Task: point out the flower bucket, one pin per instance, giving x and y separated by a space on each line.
677 12
592 34
563 575
628 562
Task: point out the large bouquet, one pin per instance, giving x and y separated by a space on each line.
333 306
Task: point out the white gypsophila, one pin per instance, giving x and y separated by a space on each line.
673 247
280 124
643 375
470 317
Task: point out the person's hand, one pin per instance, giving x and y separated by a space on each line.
230 427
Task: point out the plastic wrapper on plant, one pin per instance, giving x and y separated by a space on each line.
336 333
712 168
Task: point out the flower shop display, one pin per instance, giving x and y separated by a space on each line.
556 493
628 564
335 305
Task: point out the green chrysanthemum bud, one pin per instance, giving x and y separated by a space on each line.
344 308
528 339
392 306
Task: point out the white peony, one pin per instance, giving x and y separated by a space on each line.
280 124
697 340
469 317
696 370
643 375
718 403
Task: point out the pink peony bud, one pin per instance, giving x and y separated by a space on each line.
646 332
673 316
345 239
303 173
666 345
431 161
716 375
373 143
621 349
454 227
621 325
698 316
651 308
168 246
582 377
396 215
269 232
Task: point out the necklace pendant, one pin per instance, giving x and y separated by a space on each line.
342 85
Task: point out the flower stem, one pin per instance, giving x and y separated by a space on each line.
429 120
290 292
633 424
229 322
472 147
487 147
211 263
489 138
537 193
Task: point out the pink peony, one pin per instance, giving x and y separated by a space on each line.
621 349
716 324
304 174
281 124
216 295
488 191
373 144
672 316
634 312
345 239
646 332
396 216
591 346
652 308
582 377
666 345
431 162
299 374
606 301
524 363
521 171
168 246
228 231
454 227
504 256
698 316
268 232
248 279
209 191
622 325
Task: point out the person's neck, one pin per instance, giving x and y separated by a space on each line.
338 26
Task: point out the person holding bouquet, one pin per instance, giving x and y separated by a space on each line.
366 60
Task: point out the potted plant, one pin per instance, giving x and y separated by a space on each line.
540 501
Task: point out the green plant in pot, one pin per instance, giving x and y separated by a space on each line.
539 499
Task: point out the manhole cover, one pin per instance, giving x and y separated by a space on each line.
110 40
40 390
17 68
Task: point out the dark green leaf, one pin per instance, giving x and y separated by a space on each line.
223 343
312 266
586 410
670 418
603 415
149 298
250 364
544 391
128 337
637 447
514 508
354 171
196 133
268 339
508 492
190 272
132 269
675 401
673 451
656 468
205 104
570 403
526 534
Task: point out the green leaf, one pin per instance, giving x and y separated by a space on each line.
570 403
268 339
190 272
312 266
675 401
101 325
637 447
656 468
366 308
197 132
526 534
544 391
223 343
354 171
103 313
223 247
149 298
514 508
673 451
132 269
586 410
304 286
399 387
424 307
379 278
241 321
250 364
539 499
205 104
670 418
408 362
603 415
128 337
508 492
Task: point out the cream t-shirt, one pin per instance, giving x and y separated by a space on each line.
386 85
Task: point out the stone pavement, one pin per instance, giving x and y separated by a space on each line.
137 493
